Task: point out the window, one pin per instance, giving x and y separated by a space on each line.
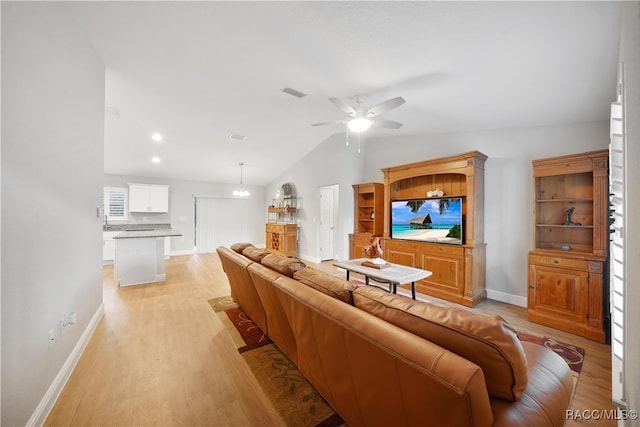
115 203
617 253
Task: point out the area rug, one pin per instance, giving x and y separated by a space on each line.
573 355
297 402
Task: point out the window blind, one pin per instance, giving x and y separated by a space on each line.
617 172
115 203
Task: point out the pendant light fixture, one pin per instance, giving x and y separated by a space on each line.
241 192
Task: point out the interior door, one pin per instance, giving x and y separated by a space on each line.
327 223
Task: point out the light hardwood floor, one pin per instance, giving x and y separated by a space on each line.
160 357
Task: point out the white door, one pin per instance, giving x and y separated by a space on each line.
327 222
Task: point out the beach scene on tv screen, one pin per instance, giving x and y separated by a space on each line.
429 220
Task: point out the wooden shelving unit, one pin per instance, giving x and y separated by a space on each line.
368 215
568 260
458 271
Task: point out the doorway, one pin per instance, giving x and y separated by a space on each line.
328 215
218 222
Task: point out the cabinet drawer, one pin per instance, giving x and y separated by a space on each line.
400 245
362 239
559 261
274 228
445 250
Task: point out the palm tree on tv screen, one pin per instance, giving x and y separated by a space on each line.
415 205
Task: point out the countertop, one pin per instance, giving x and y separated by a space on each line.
158 232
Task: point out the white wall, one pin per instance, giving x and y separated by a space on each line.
328 164
52 163
630 56
181 215
508 184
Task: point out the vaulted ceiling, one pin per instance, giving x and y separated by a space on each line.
199 71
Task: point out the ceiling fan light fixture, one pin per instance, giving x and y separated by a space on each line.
359 124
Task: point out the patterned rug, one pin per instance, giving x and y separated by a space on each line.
297 402
573 355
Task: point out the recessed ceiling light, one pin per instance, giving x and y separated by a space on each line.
237 138
155 159
156 137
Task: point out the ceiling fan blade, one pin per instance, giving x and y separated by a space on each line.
335 122
344 106
385 106
389 124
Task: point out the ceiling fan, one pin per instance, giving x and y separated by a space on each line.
362 118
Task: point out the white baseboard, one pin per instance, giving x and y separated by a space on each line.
49 399
182 252
508 298
314 259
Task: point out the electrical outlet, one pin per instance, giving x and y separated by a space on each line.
52 337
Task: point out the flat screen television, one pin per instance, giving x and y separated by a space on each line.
437 220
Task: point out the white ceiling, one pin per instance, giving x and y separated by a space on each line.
199 71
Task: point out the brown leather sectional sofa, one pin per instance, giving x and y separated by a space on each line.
386 360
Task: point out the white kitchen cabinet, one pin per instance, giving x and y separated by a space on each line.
108 246
148 198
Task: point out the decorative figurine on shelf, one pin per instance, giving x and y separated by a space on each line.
435 193
373 250
567 217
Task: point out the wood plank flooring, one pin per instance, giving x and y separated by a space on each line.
160 357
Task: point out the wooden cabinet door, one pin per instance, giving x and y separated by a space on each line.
559 297
447 265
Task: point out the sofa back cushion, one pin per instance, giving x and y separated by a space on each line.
240 246
255 254
282 264
325 283
488 341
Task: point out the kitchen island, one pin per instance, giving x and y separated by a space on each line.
139 256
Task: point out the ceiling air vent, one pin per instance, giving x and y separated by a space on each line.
237 138
294 92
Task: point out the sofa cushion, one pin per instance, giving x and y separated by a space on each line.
239 247
255 254
282 264
325 283
488 341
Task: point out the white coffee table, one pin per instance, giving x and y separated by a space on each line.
393 275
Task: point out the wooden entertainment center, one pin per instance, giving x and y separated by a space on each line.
458 270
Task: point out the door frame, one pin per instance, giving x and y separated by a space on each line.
335 189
